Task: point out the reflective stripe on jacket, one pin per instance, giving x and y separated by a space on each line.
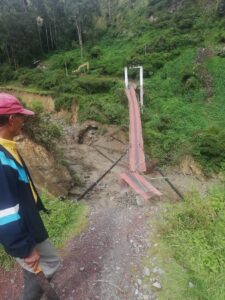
21 226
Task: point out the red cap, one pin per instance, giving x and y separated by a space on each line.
10 105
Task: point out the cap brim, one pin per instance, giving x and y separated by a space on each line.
26 112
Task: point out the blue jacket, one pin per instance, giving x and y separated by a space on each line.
21 226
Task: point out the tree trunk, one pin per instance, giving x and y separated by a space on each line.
25 5
51 37
46 33
7 53
14 59
39 36
110 11
79 33
55 32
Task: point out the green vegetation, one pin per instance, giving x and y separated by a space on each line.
183 119
177 42
41 129
66 220
191 248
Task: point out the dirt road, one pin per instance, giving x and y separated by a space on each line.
106 259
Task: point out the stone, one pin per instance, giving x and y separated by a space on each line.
82 269
140 201
158 271
139 281
190 285
146 272
157 285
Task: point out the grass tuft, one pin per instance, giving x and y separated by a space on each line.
194 235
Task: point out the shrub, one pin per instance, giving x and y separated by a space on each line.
30 76
185 24
41 129
6 73
51 79
103 108
209 148
96 85
64 102
95 52
220 38
221 8
190 82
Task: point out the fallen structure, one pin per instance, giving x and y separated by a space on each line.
137 164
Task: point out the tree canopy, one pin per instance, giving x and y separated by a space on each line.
31 28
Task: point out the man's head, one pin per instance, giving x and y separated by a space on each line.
12 116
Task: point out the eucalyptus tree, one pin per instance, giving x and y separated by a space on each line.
17 40
31 28
221 7
81 14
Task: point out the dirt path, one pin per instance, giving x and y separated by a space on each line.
107 257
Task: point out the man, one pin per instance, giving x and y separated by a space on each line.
22 232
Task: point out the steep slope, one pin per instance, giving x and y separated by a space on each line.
180 44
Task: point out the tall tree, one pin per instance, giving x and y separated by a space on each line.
31 28
81 14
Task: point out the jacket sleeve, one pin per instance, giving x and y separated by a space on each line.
14 234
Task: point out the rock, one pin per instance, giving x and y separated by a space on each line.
140 201
139 281
149 244
82 269
158 271
136 292
157 285
190 285
146 272
145 297
140 296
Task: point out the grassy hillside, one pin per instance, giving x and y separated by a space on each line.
190 248
178 43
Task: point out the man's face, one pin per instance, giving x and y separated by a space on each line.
16 123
